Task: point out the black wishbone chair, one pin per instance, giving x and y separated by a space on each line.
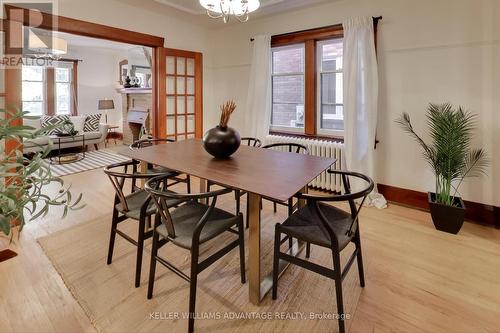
188 226
174 175
137 206
251 142
291 148
327 226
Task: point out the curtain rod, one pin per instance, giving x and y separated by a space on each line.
60 59
375 22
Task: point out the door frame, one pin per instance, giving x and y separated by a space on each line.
87 29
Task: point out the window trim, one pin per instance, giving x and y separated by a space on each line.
49 82
310 39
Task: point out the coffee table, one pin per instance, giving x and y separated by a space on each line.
65 158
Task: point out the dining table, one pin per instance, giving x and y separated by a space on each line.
262 173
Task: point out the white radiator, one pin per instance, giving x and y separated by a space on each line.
322 148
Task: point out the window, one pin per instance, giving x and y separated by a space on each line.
307 82
288 88
63 90
330 92
48 90
33 90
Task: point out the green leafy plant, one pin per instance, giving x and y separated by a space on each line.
23 180
68 128
449 154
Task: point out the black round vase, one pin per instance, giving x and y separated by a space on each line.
221 142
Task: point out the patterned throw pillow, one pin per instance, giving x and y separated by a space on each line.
92 123
54 121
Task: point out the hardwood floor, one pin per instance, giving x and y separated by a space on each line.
417 279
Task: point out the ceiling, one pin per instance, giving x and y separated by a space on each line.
267 7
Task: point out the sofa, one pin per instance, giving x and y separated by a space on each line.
93 136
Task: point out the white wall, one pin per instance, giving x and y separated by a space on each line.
97 79
429 51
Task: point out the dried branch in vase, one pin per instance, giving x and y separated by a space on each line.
226 110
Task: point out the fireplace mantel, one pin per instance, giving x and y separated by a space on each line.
134 99
134 90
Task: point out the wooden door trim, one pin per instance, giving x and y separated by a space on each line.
198 88
90 29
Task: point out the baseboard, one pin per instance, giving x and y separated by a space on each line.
475 212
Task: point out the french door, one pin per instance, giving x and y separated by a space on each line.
180 112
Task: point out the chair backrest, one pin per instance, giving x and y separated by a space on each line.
119 172
148 142
348 196
161 196
289 147
252 142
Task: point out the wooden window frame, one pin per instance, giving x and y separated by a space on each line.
49 87
310 38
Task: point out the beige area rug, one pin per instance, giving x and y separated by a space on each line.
108 297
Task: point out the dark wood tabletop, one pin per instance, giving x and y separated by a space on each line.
269 173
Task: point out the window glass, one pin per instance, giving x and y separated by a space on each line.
288 88
33 90
63 90
330 87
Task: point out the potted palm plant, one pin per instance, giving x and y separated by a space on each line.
23 179
452 160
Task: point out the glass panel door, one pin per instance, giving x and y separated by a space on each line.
183 93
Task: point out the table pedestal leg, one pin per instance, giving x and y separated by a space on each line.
258 288
143 166
254 248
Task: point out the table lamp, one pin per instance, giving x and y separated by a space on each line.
105 105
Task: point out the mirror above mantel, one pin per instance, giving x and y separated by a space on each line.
137 66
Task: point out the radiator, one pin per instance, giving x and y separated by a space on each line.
322 148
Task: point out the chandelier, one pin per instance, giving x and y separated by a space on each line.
226 8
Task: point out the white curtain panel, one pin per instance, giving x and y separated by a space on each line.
258 113
360 100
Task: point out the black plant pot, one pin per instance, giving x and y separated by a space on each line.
447 218
221 142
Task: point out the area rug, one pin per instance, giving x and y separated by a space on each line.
306 301
93 160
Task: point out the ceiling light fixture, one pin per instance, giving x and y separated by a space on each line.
224 9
